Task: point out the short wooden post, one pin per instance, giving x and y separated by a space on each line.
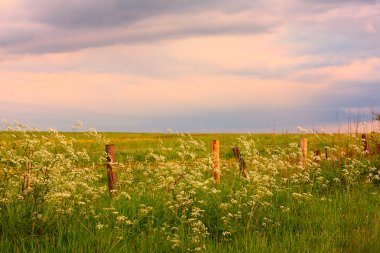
26 184
317 156
111 173
304 152
365 144
215 160
242 166
326 153
347 151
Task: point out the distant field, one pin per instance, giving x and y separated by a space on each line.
54 196
140 144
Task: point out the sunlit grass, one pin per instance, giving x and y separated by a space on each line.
167 200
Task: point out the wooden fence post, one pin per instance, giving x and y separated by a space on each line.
317 156
215 160
326 153
365 144
304 152
26 184
111 173
242 166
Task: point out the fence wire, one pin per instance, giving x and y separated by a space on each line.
168 149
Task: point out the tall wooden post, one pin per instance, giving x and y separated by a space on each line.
26 184
304 152
215 160
365 144
111 173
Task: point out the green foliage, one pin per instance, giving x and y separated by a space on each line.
167 201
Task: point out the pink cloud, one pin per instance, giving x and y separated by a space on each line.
365 70
146 96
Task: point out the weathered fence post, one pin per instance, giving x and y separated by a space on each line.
304 152
317 156
365 144
242 166
111 173
326 153
215 160
26 184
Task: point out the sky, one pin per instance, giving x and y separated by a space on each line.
189 65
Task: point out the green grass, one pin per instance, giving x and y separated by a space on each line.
347 223
167 201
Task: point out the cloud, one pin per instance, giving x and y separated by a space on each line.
345 87
100 13
41 26
370 28
43 38
136 95
196 64
195 103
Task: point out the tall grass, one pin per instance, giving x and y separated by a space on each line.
167 200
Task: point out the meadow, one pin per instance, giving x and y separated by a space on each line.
54 195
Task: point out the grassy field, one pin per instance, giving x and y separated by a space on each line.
54 197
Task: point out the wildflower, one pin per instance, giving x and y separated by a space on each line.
226 233
302 130
175 243
337 180
223 205
215 191
77 125
301 196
